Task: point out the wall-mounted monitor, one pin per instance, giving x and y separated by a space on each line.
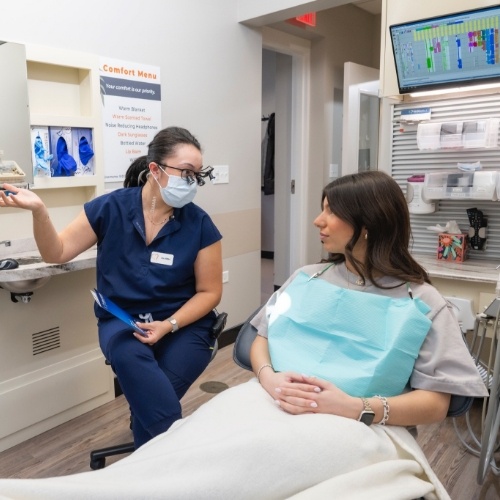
448 51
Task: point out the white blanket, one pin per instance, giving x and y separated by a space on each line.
240 445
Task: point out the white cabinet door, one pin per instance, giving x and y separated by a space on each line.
361 119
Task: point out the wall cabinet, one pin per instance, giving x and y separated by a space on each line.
64 92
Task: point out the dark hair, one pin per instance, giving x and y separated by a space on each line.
136 172
373 200
165 143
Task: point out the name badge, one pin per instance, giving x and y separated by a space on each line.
165 259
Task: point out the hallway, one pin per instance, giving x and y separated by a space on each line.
267 279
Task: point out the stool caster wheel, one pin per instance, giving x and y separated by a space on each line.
97 463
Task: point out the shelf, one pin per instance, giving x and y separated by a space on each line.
64 92
64 182
58 90
41 120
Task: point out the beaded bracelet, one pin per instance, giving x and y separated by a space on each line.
387 409
261 368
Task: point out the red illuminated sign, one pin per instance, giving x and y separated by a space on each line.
309 19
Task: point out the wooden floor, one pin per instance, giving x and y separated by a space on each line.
65 449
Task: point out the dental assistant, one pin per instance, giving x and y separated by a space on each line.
159 258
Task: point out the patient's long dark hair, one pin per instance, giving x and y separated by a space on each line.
373 200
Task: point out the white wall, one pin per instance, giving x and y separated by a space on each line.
210 69
211 84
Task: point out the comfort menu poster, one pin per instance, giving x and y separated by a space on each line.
131 104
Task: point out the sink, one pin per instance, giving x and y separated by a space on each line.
33 272
24 286
24 261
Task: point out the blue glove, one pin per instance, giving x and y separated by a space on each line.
66 163
85 150
42 159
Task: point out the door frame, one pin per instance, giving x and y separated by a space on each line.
299 49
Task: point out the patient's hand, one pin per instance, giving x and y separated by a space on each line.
302 394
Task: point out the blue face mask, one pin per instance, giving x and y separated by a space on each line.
177 192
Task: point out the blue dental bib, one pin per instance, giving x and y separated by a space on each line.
364 343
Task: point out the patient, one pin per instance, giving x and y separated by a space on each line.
349 353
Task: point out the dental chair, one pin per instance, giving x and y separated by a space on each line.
98 457
459 405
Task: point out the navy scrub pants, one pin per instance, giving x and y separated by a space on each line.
154 378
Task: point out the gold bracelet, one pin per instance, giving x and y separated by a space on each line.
387 409
267 365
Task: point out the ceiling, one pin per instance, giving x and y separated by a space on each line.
372 6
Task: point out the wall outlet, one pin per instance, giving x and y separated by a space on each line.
225 276
221 174
334 170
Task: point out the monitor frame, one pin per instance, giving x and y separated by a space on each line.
465 80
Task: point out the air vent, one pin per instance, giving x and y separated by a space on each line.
46 340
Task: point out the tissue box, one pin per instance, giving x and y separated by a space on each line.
453 247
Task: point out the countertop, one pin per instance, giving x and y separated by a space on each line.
26 248
482 271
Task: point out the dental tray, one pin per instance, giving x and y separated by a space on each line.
10 172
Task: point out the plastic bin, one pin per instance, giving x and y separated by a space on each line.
482 185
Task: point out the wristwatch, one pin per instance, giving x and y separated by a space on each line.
367 414
174 324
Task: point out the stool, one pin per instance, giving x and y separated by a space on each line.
98 457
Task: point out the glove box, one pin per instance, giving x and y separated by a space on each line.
481 185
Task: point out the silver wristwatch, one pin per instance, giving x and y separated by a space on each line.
174 324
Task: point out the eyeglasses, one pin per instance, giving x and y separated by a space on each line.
190 176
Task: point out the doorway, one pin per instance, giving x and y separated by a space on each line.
275 173
285 81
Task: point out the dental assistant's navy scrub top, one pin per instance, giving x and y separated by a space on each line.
141 279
